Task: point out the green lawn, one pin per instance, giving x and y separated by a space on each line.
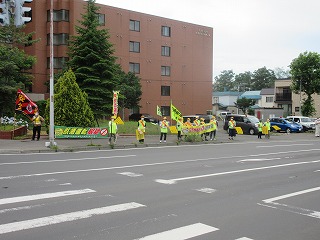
130 127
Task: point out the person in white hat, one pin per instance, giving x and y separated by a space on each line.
164 124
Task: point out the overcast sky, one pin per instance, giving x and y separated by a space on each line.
247 34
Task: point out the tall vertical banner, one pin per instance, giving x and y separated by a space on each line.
115 103
159 113
25 105
175 113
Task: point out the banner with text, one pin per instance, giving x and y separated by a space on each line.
80 132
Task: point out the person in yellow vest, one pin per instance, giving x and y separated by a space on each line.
179 127
142 128
232 128
260 125
196 121
164 125
188 123
37 121
268 127
214 123
203 135
113 130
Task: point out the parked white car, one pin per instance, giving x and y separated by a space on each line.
306 122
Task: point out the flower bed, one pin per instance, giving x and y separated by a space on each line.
20 131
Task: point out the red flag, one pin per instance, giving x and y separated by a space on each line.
25 105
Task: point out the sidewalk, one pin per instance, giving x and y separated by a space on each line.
71 145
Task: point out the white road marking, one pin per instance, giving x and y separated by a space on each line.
65 184
207 190
182 233
44 196
152 164
271 203
66 217
65 160
270 200
173 181
131 174
258 159
244 238
285 145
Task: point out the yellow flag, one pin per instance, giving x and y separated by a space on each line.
173 129
239 130
175 113
159 113
118 121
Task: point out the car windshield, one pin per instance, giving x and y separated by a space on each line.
253 119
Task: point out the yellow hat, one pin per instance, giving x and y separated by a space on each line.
164 118
142 116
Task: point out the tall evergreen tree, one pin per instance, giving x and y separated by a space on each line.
92 61
71 105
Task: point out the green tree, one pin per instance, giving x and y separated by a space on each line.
243 81
14 64
244 104
224 81
305 72
71 107
281 73
263 78
92 61
130 90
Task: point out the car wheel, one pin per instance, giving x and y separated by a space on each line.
288 130
251 131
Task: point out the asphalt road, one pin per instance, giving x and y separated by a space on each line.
255 190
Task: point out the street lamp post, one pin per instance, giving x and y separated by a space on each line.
300 100
51 131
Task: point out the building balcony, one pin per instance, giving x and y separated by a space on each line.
283 97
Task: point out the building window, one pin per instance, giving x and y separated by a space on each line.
134 25
58 39
134 46
58 62
165 70
101 19
134 67
59 15
269 99
165 31
165 90
297 109
165 110
215 99
165 51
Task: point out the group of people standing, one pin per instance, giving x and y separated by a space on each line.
263 127
165 125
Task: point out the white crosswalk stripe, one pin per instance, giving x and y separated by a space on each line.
66 217
44 196
182 233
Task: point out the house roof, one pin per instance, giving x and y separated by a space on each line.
267 91
227 93
251 95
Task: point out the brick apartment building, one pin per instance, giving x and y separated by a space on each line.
173 59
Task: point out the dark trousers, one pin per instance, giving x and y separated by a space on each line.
213 134
163 135
179 135
259 134
36 130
